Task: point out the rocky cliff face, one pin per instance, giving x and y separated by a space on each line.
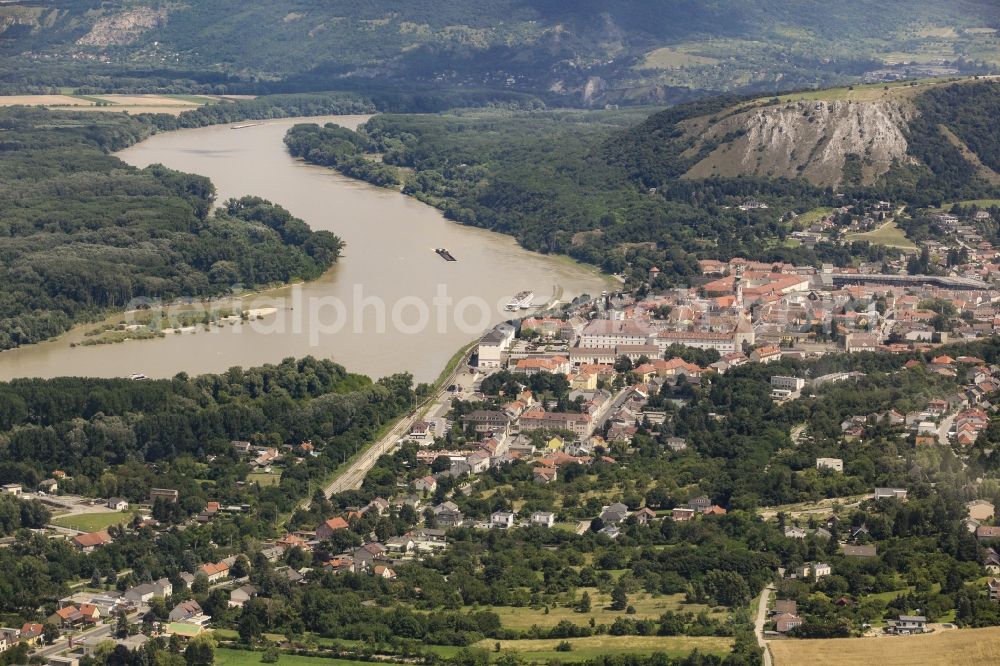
123 28
808 139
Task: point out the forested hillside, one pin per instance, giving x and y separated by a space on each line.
577 51
82 232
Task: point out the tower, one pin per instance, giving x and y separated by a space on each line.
738 287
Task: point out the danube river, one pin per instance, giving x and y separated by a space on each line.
391 303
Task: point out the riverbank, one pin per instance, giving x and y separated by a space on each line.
389 304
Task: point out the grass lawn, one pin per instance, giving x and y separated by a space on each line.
543 650
888 234
229 657
93 522
812 216
264 479
981 203
646 607
968 647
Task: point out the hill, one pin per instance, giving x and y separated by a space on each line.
915 141
578 50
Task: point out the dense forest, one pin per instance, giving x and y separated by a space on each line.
83 232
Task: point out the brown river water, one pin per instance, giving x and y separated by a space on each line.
391 304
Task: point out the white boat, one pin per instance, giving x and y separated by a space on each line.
521 301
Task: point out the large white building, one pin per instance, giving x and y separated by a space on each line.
494 345
605 334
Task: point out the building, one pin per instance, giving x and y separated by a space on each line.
502 519
786 622
166 494
608 334
88 542
184 611
214 571
890 493
993 589
494 345
118 504
12 489
426 484
836 464
543 518
326 529
907 624
485 421
579 424
160 589
241 595
793 384
863 552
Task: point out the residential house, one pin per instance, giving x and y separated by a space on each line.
502 519
214 571
699 504
543 518
993 589
786 622
789 606
907 624
682 514
382 571
118 504
644 516
185 610
614 513
447 514
890 493
160 589
88 542
166 494
241 595
426 484
12 489
326 529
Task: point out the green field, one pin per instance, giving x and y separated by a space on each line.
229 657
646 607
888 235
264 479
674 57
544 650
981 203
93 522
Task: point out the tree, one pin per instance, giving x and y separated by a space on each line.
249 628
619 600
121 625
200 651
271 655
727 587
50 632
584 605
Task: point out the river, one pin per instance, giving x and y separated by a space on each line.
391 304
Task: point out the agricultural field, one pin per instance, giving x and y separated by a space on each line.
93 522
172 104
958 647
674 57
591 647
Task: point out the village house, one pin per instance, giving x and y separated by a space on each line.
543 518
184 611
502 519
140 594
382 571
214 571
326 529
425 484
118 504
241 595
786 622
88 542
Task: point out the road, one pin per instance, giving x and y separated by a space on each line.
351 478
946 424
765 600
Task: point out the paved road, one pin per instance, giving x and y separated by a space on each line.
945 427
351 478
765 599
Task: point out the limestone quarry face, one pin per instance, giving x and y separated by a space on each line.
123 28
807 139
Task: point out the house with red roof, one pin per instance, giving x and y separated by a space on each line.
326 529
